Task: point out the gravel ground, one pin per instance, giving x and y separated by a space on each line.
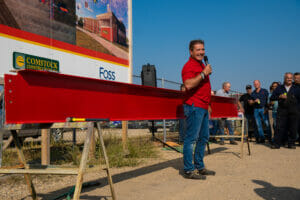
266 174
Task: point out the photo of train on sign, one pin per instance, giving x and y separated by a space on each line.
83 36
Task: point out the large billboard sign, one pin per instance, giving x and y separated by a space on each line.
88 38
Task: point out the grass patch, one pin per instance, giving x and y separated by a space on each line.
64 154
84 40
138 148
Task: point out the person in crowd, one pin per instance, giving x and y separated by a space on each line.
288 96
273 105
196 79
224 92
259 98
249 111
297 84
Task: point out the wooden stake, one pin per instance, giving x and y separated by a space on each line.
83 161
45 146
125 137
21 156
106 162
8 142
93 145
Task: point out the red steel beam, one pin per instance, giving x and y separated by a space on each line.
46 97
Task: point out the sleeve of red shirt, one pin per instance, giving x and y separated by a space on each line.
187 73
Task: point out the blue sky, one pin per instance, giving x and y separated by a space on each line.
244 39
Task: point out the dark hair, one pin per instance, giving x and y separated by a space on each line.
296 73
193 42
275 82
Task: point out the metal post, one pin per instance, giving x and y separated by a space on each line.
243 135
74 138
153 130
164 121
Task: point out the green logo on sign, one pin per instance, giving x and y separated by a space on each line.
25 61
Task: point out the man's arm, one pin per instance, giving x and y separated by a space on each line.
240 107
267 98
194 82
275 94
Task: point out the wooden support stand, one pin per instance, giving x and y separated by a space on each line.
45 146
242 136
27 169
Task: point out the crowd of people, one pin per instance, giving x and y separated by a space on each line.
283 102
272 116
280 105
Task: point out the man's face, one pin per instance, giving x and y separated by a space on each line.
256 84
198 52
249 90
297 79
227 87
288 79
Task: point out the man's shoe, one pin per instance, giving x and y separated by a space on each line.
291 146
257 140
213 140
206 172
261 141
233 142
273 146
194 175
221 142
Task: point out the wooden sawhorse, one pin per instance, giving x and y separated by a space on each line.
27 170
242 136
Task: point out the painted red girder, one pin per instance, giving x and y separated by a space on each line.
46 97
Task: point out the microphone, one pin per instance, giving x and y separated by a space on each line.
206 60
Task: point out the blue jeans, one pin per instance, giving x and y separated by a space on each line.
182 129
260 116
215 127
197 131
222 123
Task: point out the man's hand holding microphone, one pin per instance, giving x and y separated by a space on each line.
207 70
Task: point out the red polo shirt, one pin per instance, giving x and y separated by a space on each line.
201 94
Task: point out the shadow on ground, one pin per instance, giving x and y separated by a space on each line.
175 163
271 192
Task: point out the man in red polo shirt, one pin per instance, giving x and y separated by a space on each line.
195 77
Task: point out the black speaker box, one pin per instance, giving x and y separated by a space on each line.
148 75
